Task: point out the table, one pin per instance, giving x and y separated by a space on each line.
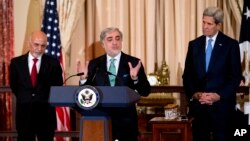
161 126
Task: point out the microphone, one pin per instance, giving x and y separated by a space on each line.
109 73
94 76
78 74
116 77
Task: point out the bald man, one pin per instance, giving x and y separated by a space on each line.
35 118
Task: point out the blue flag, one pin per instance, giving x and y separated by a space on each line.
50 26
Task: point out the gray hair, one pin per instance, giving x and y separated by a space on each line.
214 12
108 30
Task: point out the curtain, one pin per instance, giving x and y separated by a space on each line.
154 30
236 7
6 53
69 13
34 20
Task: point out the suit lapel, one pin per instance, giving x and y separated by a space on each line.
121 66
43 67
103 64
121 70
201 52
25 67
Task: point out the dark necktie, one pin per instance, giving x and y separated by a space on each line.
33 74
208 52
112 69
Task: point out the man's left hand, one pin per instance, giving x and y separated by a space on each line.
209 98
134 71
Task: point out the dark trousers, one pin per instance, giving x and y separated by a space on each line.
31 136
123 130
209 131
209 128
35 121
211 123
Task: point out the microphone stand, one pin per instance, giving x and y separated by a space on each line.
78 74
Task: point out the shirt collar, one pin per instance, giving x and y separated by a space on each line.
117 57
214 37
30 57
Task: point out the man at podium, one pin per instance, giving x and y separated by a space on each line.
116 68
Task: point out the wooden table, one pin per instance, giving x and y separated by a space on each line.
161 126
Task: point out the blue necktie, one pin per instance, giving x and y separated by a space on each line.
208 52
112 69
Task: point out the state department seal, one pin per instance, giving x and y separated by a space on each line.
87 97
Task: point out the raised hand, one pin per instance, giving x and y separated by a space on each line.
134 70
82 68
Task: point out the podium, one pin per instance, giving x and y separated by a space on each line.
95 124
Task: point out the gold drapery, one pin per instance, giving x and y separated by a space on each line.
154 30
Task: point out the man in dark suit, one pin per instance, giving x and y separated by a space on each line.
211 79
35 118
128 72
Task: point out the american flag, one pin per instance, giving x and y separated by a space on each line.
245 46
50 26
245 40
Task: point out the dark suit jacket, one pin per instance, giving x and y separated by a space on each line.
27 97
223 75
98 76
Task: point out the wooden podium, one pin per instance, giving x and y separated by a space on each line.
95 123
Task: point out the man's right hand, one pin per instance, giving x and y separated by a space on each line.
197 95
82 68
206 98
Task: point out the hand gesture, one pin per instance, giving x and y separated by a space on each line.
83 69
134 71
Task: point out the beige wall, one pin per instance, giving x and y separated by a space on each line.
20 18
27 18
